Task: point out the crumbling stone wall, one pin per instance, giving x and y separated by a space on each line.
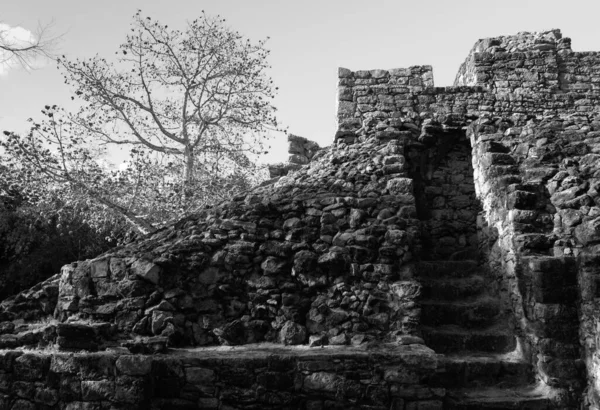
301 152
531 63
531 105
322 254
325 254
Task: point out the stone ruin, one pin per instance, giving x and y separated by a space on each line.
443 253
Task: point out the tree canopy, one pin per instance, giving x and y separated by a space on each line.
193 107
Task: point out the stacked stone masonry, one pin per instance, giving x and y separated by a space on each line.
258 378
301 152
452 232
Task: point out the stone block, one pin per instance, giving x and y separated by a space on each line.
399 374
147 270
67 344
346 108
199 375
323 382
94 390
554 279
344 72
95 366
588 231
134 365
99 268
397 186
273 265
293 334
132 390
31 367
69 388
118 268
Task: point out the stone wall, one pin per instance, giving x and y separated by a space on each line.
519 175
445 194
301 151
531 106
580 72
504 163
322 255
247 378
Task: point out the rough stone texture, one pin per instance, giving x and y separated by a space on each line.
252 377
323 248
464 217
301 151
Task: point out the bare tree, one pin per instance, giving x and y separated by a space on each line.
199 96
24 51
193 107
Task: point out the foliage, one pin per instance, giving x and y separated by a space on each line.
54 161
195 106
37 239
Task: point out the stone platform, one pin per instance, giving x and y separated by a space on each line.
260 376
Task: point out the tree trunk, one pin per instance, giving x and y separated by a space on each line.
188 178
139 224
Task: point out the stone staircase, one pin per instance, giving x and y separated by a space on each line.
463 321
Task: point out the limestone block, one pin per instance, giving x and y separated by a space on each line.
134 365
99 268
132 390
97 390
346 109
588 231
273 265
31 367
147 270
292 334
344 72
160 319
322 381
400 374
199 375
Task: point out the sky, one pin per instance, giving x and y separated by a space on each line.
309 40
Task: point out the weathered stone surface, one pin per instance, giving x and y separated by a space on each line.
292 334
501 168
134 365
147 270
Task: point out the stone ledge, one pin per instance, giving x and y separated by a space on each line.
251 376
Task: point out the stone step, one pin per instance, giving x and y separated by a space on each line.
468 370
447 269
451 289
529 397
479 312
453 339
